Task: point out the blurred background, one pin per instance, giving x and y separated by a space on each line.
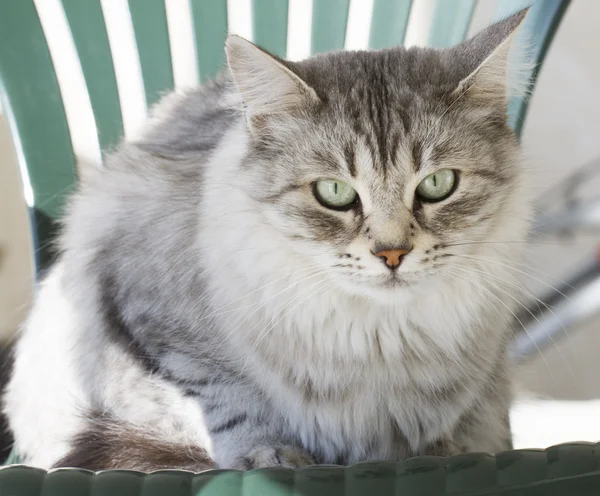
558 386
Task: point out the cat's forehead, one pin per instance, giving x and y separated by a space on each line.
389 74
392 116
393 102
388 153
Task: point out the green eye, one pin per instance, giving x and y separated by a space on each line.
437 186
335 194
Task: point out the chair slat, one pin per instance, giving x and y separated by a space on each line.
34 107
149 20
210 28
270 18
329 21
88 30
388 23
450 22
538 30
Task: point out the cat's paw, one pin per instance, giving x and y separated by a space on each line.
445 448
275 456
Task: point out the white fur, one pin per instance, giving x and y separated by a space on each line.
47 388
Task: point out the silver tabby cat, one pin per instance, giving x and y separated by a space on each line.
297 263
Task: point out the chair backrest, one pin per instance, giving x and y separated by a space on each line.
32 99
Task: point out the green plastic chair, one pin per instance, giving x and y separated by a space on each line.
565 470
32 101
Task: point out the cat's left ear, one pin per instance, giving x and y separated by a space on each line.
267 86
485 60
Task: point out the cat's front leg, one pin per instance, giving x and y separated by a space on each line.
444 448
277 455
244 440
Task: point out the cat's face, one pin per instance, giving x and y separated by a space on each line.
385 172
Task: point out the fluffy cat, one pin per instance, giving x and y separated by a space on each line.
297 263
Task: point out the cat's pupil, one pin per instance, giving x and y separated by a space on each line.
335 188
434 180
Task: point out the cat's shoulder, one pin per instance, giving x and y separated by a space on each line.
190 121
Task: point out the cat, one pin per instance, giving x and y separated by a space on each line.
297 263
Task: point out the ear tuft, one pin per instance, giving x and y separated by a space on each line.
492 71
267 86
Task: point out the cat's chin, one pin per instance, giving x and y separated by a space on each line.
388 290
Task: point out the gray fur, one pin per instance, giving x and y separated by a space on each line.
183 295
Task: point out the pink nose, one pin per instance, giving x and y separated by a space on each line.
393 258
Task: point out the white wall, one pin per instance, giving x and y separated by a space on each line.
15 253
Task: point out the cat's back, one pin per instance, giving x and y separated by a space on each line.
131 230
190 122
143 203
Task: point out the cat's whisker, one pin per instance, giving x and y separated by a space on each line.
531 295
495 286
525 242
312 266
311 290
266 254
491 293
320 272
260 305
271 325
509 266
303 291
504 317
316 268
467 270
509 325
511 262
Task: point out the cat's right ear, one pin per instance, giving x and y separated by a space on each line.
266 85
486 57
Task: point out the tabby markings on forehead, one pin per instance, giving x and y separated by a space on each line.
417 155
349 155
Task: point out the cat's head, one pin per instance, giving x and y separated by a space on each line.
385 167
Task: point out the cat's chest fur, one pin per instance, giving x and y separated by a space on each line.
357 381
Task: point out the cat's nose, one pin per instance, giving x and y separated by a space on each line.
392 258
